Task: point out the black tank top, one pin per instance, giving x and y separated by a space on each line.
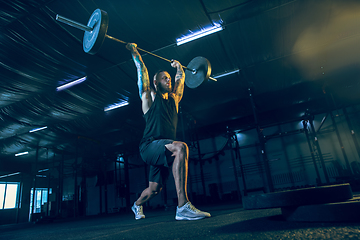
161 119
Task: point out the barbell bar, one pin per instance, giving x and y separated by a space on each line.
95 33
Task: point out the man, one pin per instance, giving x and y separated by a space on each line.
158 147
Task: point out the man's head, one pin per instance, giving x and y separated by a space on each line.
162 81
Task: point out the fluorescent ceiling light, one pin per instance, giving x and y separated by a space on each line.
9 175
44 176
202 33
226 73
70 84
19 154
37 129
116 105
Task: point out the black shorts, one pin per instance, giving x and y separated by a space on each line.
154 153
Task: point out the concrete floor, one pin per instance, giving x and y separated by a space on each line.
228 221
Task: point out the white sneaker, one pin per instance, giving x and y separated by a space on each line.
189 212
138 211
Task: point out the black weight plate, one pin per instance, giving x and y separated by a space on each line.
93 40
202 72
298 197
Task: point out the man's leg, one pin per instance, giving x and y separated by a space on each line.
150 192
180 169
185 210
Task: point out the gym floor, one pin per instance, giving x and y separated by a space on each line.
228 221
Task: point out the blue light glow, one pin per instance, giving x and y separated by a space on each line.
9 175
20 154
70 84
37 129
226 73
199 34
122 103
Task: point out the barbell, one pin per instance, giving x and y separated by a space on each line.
197 71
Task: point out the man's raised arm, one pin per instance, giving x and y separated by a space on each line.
143 77
142 72
179 80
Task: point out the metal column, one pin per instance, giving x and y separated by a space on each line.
60 189
316 142
34 182
201 167
75 168
262 145
106 192
311 150
19 196
49 183
237 156
340 142
127 181
237 151
286 158
357 146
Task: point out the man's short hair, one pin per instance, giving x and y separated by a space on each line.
159 71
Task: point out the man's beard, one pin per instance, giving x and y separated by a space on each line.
164 89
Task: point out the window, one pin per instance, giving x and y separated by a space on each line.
41 197
8 195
